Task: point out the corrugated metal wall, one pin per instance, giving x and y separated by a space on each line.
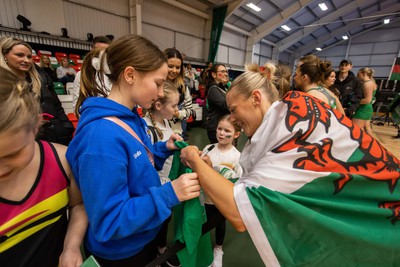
97 17
367 51
9 9
168 26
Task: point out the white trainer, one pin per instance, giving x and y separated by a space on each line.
218 254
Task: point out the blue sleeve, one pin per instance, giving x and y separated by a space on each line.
161 153
114 212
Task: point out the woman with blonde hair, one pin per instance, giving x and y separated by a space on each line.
362 116
16 55
313 186
45 64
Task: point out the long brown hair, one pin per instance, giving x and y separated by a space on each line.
179 80
129 50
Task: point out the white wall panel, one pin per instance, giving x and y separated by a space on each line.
266 50
52 22
258 59
236 56
375 49
387 47
80 20
284 57
257 48
361 49
381 60
161 37
222 54
191 46
156 12
378 35
233 40
336 51
119 7
9 10
168 26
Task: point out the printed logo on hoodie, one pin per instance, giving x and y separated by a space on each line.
137 154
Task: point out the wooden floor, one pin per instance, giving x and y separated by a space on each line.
385 134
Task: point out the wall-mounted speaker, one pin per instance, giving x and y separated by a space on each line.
64 32
89 37
25 22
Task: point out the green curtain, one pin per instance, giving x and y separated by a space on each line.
216 30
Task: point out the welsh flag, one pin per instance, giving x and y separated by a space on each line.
395 72
318 191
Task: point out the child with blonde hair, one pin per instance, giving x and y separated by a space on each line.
157 119
37 187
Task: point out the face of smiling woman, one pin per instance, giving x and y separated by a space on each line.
174 68
19 60
243 113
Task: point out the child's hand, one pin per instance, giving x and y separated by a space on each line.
186 187
71 258
171 141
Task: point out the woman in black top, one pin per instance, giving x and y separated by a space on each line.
217 79
45 64
16 56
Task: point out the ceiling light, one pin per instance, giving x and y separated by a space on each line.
318 49
285 27
323 7
345 37
254 7
386 21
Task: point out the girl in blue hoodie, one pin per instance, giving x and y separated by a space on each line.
113 159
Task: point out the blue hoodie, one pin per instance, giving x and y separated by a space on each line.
121 190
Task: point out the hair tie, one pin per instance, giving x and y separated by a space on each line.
96 63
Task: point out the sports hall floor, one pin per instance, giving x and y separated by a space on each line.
238 249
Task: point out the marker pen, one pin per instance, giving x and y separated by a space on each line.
208 150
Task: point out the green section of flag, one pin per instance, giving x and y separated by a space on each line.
395 70
395 76
90 262
189 218
315 227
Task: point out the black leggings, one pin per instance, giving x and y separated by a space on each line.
220 228
143 257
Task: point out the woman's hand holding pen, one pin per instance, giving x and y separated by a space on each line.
188 154
191 153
